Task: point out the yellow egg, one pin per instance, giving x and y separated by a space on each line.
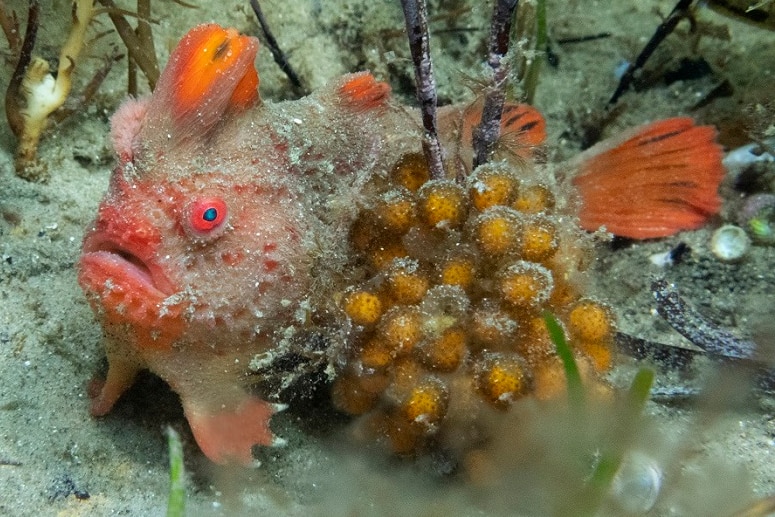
497 231
533 342
564 293
539 239
442 204
534 199
411 171
363 307
445 352
394 212
401 329
376 354
525 284
407 282
590 321
492 328
490 188
502 379
549 380
599 353
426 403
457 271
383 254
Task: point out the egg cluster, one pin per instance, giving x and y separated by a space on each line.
446 321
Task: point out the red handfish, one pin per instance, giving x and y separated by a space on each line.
225 224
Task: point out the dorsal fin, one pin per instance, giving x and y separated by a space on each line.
363 92
523 129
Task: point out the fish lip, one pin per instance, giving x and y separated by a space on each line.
109 254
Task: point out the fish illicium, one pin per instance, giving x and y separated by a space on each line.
233 227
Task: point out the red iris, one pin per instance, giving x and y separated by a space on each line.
207 215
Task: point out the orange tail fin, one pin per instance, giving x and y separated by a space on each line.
525 122
522 127
651 182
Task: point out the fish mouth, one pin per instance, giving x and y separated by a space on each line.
106 259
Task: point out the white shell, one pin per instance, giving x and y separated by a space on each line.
636 485
730 243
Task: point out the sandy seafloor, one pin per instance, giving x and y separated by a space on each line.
56 460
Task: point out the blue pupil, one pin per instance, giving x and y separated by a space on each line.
210 214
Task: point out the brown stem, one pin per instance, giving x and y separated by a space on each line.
488 130
274 48
10 27
145 35
679 12
139 50
416 16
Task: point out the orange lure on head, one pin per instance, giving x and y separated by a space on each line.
203 60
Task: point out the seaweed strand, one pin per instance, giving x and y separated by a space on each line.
416 15
274 48
139 44
13 109
663 31
488 130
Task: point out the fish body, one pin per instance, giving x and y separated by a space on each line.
225 226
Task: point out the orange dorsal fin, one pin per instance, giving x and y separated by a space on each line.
525 122
362 92
522 129
209 76
652 181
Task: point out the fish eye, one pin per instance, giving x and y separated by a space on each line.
207 216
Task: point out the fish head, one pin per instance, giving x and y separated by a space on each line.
201 253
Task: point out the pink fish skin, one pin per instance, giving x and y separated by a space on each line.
225 226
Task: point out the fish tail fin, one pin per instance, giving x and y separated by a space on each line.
651 182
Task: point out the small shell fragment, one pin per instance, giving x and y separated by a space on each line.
636 486
730 243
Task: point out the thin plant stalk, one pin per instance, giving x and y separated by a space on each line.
416 15
488 130
572 376
534 69
176 504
